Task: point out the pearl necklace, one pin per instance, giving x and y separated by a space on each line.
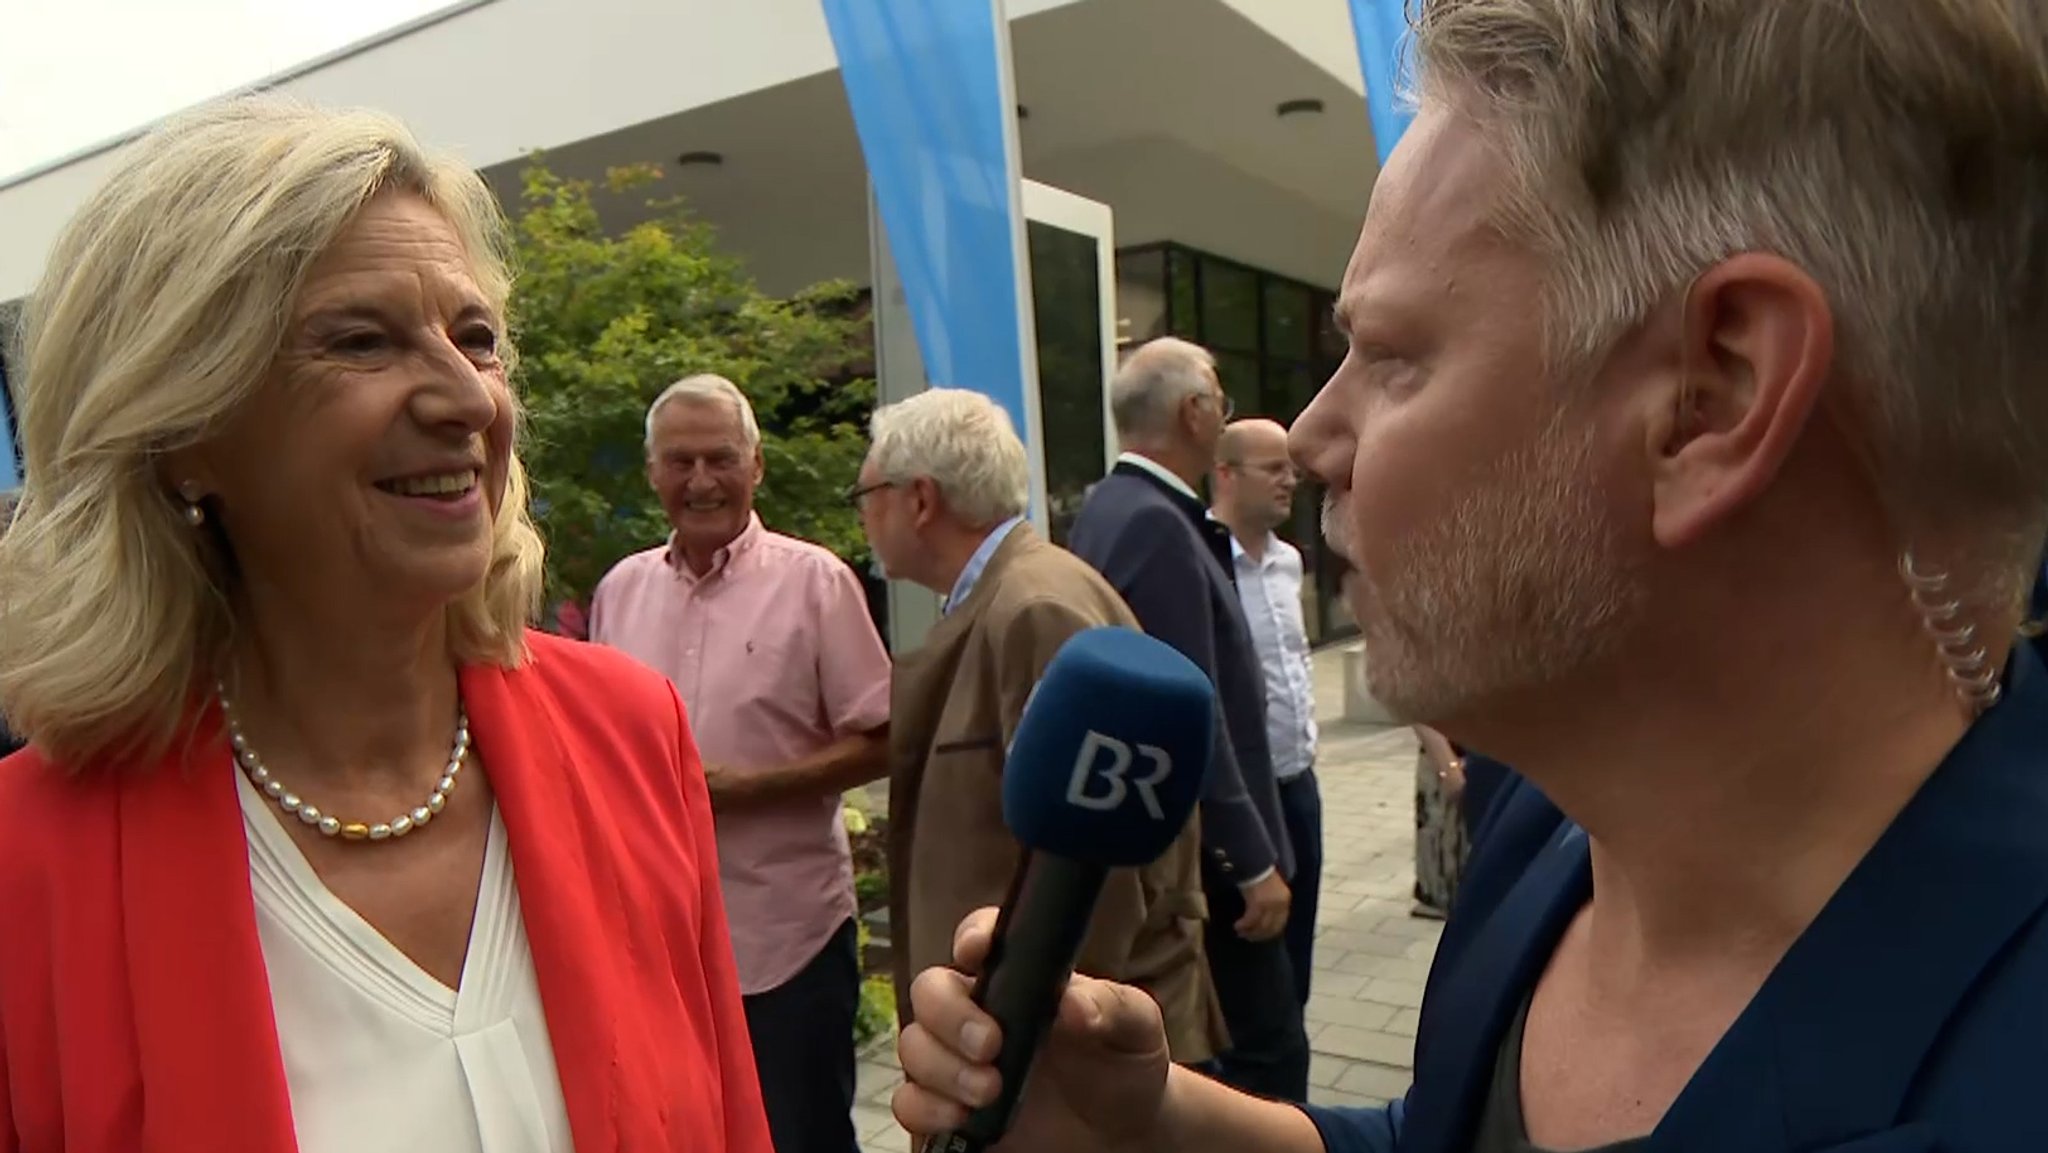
331 826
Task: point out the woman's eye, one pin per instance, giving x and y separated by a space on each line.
358 343
481 338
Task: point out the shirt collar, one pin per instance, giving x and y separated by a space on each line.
1237 547
978 563
1165 476
735 548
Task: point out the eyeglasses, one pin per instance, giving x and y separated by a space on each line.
1273 469
855 494
1228 405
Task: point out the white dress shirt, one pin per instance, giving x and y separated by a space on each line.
1269 588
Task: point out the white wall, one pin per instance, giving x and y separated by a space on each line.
1321 32
503 78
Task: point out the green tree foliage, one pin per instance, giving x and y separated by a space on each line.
604 322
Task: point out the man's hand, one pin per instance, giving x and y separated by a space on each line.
730 787
1098 1086
1265 909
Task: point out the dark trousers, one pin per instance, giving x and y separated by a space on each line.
1301 806
1268 1053
803 1050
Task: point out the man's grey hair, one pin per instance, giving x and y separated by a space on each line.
965 443
702 388
1647 142
1147 391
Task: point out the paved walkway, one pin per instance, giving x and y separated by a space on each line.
1371 956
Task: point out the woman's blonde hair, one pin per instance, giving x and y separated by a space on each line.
164 302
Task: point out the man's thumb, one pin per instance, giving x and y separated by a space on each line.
1116 1017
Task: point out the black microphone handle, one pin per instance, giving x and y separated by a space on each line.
1038 934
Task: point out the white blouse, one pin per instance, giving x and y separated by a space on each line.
379 1055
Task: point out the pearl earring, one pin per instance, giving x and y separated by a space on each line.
195 514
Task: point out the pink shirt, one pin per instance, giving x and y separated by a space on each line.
775 655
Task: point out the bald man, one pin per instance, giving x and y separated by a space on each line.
1254 494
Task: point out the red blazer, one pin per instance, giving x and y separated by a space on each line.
134 1010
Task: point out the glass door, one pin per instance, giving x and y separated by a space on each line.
1072 250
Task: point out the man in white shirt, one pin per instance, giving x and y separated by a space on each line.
1254 494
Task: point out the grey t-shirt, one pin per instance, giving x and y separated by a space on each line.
1500 1123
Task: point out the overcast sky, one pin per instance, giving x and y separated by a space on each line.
75 72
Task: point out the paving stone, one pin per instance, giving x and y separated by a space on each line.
1325 959
874 1082
1366 1045
877 1129
1325 1070
1376 944
1327 1010
1330 984
1367 1079
1410 927
1392 968
1388 991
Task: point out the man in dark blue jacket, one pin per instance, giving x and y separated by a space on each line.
1148 532
1689 446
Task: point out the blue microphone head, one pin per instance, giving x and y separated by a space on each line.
1109 756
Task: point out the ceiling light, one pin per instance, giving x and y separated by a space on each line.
701 159
1306 107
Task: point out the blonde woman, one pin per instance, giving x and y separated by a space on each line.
316 845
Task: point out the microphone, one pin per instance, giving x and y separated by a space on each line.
1104 771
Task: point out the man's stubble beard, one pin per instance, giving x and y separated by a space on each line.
1522 583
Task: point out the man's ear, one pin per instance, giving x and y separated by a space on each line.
1754 348
1191 416
925 491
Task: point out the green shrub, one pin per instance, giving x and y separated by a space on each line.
876 1015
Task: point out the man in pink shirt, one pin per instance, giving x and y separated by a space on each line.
769 641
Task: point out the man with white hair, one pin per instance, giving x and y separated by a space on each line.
769 642
1147 530
942 496
1690 447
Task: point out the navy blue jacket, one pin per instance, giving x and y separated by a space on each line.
1910 1017
1171 563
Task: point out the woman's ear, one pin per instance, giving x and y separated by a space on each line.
184 474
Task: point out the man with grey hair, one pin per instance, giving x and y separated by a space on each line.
943 496
1689 447
769 641
1147 530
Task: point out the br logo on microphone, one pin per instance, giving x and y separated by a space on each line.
1104 787
1107 761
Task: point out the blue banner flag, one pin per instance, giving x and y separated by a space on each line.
929 85
1382 30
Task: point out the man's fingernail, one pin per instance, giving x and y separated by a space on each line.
973 1038
974 1086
